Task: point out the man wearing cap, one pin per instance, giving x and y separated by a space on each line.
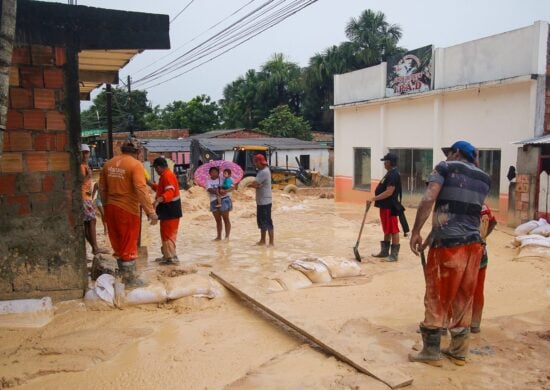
87 202
458 189
123 189
385 198
168 208
262 184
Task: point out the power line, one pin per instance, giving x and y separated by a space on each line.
232 35
194 38
184 8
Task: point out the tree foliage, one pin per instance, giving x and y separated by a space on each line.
281 122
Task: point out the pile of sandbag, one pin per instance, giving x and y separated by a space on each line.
533 239
304 272
107 293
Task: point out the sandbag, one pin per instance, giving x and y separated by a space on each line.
104 287
316 271
292 280
340 267
543 230
534 251
154 293
536 240
187 285
26 313
525 228
94 302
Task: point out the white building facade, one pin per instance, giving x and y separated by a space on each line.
490 92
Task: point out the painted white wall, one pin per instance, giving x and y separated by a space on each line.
513 53
364 84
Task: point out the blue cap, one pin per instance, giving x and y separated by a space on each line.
465 148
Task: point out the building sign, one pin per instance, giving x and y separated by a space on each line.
410 73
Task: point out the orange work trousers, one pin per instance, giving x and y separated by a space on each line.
451 278
168 235
123 230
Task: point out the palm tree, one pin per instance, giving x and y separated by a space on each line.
374 38
7 34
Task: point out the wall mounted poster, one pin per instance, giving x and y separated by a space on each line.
410 73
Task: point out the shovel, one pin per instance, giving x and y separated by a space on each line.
356 247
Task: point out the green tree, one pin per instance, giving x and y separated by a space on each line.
128 111
240 107
198 115
283 123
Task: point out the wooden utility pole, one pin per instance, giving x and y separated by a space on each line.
110 120
7 35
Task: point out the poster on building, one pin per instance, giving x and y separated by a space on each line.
410 73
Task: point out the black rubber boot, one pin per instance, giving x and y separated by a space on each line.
394 253
127 272
459 347
430 353
384 249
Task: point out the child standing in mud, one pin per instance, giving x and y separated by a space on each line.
214 188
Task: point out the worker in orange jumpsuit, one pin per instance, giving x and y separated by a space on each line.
168 208
123 189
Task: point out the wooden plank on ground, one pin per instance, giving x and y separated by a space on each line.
390 376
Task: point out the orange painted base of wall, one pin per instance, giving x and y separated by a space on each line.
344 192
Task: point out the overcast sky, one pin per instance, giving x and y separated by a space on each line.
439 22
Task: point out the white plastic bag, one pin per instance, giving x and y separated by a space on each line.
340 267
187 285
525 228
316 271
26 313
154 293
104 287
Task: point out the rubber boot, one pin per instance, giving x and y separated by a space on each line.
430 354
459 347
384 249
127 272
394 253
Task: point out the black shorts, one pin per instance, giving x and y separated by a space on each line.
263 217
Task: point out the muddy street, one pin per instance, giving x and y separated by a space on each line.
200 343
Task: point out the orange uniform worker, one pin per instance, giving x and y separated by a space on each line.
168 208
123 189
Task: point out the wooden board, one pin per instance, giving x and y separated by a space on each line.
389 376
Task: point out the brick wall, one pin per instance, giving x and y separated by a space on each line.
41 247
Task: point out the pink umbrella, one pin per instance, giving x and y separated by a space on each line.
201 175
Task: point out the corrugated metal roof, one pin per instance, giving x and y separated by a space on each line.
225 144
540 140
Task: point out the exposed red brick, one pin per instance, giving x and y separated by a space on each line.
21 55
19 140
60 57
42 55
23 203
53 78
44 142
59 161
61 140
37 161
48 183
11 162
32 77
20 98
44 98
14 120
55 120
7 184
34 120
14 77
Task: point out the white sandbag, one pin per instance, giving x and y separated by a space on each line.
104 287
543 230
536 240
316 271
187 285
525 228
292 280
94 302
153 293
26 313
120 295
340 267
534 251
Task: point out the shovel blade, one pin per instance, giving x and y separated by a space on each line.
356 253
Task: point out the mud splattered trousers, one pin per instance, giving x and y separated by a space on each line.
451 278
479 299
168 235
123 230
